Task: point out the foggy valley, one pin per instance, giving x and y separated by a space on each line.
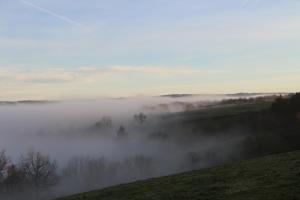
103 142
149 100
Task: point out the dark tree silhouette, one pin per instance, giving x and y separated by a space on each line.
294 103
122 133
39 170
104 123
140 118
280 105
4 161
287 105
14 180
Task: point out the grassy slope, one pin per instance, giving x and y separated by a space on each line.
275 177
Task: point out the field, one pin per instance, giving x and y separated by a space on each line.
275 177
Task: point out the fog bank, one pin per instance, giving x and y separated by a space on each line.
106 141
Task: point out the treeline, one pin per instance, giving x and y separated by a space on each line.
32 174
272 130
268 129
105 125
287 105
249 100
35 176
87 173
277 129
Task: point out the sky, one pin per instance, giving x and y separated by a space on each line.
65 49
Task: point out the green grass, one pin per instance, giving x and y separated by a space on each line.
275 177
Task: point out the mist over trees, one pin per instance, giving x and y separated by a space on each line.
30 176
122 133
83 151
140 118
287 105
38 170
104 124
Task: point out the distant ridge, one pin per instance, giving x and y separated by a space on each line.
31 102
178 95
241 94
254 94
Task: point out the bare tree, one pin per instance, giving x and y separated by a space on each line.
122 133
4 161
140 118
14 180
39 170
104 123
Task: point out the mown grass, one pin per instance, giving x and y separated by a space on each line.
275 177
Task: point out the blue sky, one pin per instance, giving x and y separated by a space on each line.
88 48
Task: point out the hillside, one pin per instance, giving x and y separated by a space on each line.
275 177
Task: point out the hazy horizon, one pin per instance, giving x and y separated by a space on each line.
172 96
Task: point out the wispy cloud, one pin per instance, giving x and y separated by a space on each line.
53 83
50 12
57 83
36 76
90 74
162 71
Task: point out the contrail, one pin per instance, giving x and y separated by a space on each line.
52 13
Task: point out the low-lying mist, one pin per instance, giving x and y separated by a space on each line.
103 142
